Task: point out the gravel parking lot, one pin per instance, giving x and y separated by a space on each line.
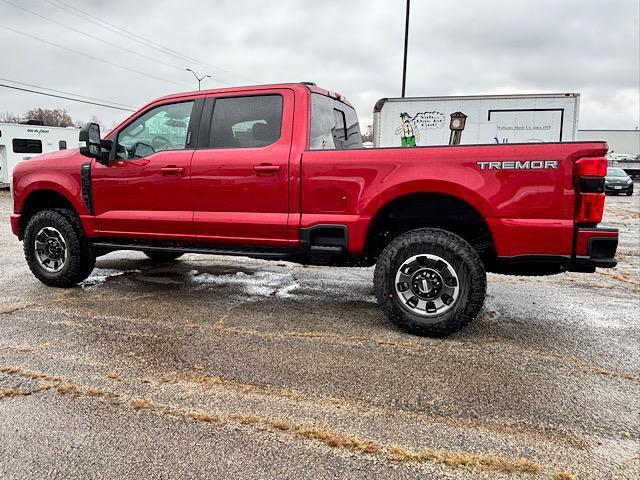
212 367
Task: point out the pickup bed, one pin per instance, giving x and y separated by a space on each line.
278 171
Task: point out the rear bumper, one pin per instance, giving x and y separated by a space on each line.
15 224
594 247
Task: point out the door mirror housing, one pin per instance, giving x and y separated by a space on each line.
89 137
92 145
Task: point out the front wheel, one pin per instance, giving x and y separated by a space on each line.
56 250
430 282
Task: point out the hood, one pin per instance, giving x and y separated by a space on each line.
56 154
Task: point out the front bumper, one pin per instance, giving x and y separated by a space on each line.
15 224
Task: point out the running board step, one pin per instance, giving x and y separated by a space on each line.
193 249
325 249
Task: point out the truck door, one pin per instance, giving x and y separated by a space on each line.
240 170
144 191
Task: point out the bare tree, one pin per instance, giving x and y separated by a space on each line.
93 119
367 136
9 117
51 118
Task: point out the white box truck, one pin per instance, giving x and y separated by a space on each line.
21 141
485 119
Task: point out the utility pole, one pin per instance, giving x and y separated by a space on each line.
199 79
406 44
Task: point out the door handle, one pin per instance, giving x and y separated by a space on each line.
168 171
266 169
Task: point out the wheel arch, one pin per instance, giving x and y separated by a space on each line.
40 199
434 209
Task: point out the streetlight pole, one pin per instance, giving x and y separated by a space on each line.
406 44
199 79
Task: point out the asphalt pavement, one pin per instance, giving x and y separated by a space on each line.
221 367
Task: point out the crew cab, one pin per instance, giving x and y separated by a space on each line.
279 172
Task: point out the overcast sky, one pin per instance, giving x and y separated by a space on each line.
353 47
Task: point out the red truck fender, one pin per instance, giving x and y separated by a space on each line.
58 190
429 186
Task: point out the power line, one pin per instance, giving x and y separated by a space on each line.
66 98
66 93
133 52
122 31
139 72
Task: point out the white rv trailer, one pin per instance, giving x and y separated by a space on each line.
21 142
489 119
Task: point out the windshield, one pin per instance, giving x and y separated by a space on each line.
616 172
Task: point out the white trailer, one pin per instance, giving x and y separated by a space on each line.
489 119
21 142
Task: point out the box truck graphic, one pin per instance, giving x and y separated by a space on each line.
489 119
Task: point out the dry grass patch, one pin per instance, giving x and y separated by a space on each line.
112 375
32 374
57 384
20 348
609 373
202 416
622 277
338 440
15 308
564 475
13 392
463 459
68 388
142 404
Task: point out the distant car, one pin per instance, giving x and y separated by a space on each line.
617 181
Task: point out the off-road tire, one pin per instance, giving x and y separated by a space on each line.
458 253
162 256
80 252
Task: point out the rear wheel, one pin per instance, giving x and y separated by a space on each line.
430 282
56 250
162 256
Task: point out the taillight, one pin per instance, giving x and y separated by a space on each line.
591 167
590 207
588 177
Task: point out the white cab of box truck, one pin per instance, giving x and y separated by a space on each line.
485 119
20 142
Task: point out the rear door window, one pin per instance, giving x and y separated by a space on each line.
334 125
246 122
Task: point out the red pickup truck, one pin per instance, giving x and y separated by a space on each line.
279 172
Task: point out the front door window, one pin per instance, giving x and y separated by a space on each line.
162 128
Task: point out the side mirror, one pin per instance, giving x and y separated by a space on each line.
91 145
141 150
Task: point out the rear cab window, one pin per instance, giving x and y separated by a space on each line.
334 125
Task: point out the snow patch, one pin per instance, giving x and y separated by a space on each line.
101 275
261 284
